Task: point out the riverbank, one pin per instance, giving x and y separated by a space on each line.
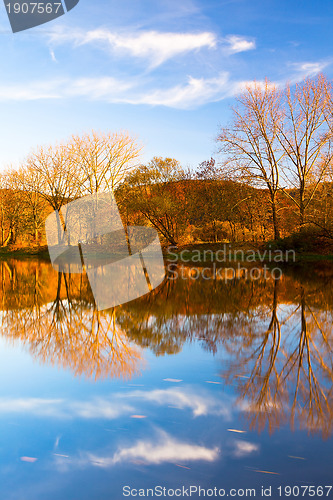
245 252
209 252
31 252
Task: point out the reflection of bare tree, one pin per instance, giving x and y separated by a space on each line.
65 328
165 332
285 371
181 311
311 361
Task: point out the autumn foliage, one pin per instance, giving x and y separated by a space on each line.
272 177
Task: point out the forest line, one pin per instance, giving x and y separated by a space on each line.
271 178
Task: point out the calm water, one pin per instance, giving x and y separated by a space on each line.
202 383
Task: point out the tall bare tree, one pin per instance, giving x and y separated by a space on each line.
306 137
103 160
59 180
250 148
13 215
36 206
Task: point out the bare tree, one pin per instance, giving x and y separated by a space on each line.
58 177
103 160
250 147
305 136
13 215
36 206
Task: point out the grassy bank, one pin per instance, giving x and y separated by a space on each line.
40 252
247 252
204 253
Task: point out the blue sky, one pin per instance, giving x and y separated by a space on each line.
167 71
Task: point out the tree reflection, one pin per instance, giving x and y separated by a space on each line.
285 371
276 335
55 317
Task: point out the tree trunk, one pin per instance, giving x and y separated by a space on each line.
277 235
214 232
301 205
301 213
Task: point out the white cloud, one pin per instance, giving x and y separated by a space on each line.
97 88
118 404
244 448
192 94
309 69
164 449
300 71
105 88
99 408
167 449
53 57
196 92
201 404
153 46
31 91
33 406
239 44
59 408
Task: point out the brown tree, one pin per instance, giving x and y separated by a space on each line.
305 135
250 148
103 159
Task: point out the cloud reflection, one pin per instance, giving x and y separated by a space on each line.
62 409
119 404
244 448
161 449
201 403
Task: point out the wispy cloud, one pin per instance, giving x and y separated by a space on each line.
105 88
201 403
308 69
300 71
191 94
153 46
244 448
32 406
237 43
53 56
31 91
163 448
100 408
60 408
194 93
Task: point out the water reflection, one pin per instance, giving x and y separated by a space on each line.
284 363
162 448
55 316
275 336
